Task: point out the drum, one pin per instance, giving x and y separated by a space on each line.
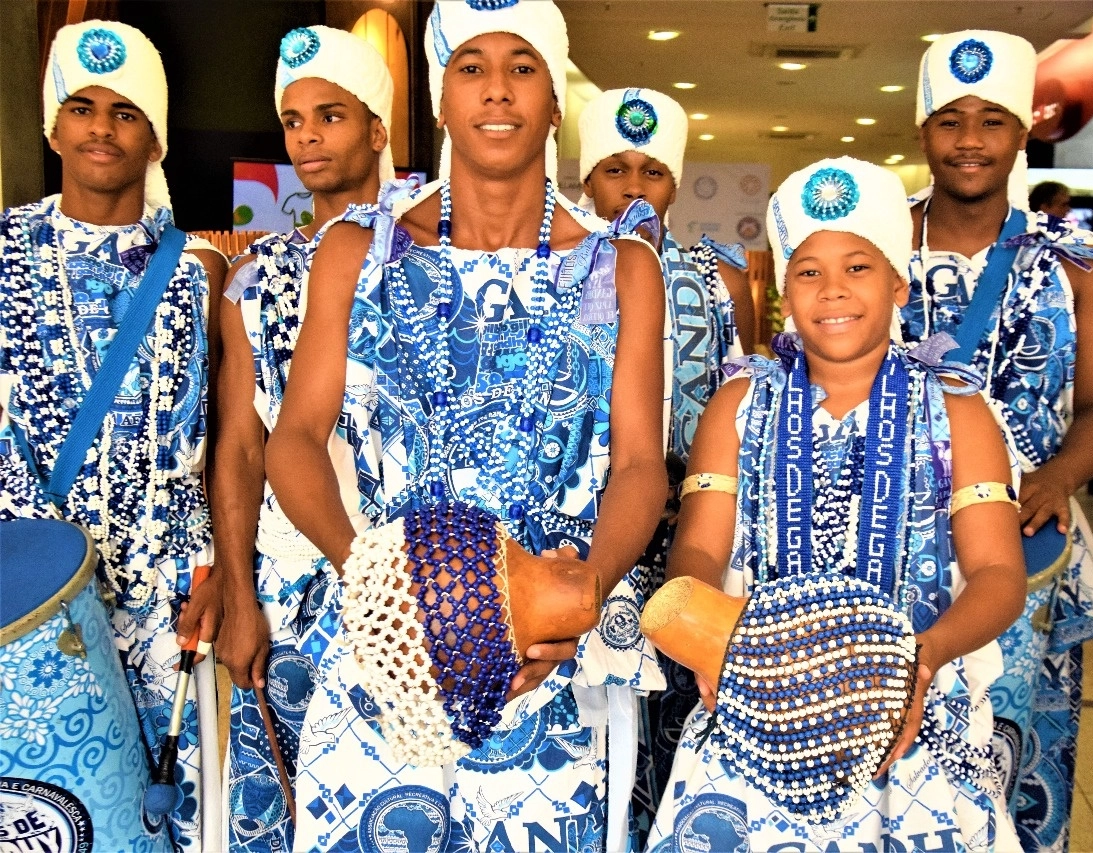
73 769
814 680
439 609
1047 557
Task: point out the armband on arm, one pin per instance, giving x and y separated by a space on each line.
708 483
982 493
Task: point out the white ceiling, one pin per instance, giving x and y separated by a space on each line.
721 49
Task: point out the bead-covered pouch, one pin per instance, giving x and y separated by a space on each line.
428 614
814 683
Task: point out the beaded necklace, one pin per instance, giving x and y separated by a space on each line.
434 369
878 552
121 492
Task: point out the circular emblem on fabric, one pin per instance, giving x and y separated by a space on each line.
292 680
712 822
299 46
748 228
409 817
491 5
830 194
621 625
100 51
705 188
971 61
636 121
39 816
257 803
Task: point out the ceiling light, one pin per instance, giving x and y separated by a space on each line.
684 85
706 137
700 116
792 66
932 37
663 35
846 139
896 157
865 122
891 162
891 88
779 128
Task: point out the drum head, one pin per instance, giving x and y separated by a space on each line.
46 561
1047 552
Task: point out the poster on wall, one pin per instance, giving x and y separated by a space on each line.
270 197
726 201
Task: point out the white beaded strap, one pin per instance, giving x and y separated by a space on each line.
379 615
982 493
279 538
708 483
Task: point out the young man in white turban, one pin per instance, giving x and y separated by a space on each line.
72 267
816 466
632 147
333 95
1013 287
476 350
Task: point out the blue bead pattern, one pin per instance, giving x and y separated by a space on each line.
636 120
971 61
453 550
100 51
299 46
830 194
817 681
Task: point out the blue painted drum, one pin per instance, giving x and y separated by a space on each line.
73 770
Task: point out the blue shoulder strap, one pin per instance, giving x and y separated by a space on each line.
138 318
992 283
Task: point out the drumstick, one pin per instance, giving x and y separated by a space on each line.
282 771
163 795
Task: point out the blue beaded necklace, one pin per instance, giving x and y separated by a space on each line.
878 552
433 369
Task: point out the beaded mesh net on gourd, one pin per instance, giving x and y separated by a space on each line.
816 685
426 614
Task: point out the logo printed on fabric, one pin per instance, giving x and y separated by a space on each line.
410 817
712 822
620 625
42 817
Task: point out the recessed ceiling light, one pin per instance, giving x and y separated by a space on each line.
705 137
865 122
846 139
779 128
792 66
684 85
891 162
932 37
700 116
891 88
896 157
663 35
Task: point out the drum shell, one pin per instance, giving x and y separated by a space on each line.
69 724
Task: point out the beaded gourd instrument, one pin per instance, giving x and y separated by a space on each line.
814 684
428 613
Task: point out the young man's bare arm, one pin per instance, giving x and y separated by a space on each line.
297 459
634 497
739 287
707 520
236 486
1046 492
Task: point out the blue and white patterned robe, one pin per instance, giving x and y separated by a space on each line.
1027 352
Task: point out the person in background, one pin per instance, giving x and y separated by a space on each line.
1050 197
333 95
632 147
1014 289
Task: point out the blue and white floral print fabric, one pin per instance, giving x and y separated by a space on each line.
945 792
541 778
1028 354
64 289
